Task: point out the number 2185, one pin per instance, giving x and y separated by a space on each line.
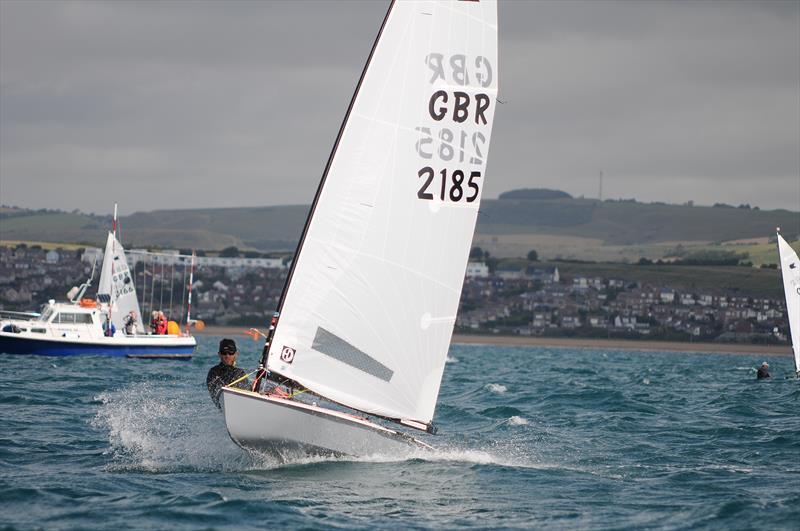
452 187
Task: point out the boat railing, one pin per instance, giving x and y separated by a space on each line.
19 316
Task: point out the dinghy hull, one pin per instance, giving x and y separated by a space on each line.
272 424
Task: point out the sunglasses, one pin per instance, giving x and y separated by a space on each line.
227 353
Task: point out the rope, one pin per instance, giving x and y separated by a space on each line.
183 294
161 286
245 377
153 289
171 290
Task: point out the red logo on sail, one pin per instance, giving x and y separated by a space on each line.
287 354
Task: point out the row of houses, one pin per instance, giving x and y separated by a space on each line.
529 300
540 301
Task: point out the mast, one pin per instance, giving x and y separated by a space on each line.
276 316
189 302
113 253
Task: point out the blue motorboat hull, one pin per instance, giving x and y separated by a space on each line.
39 347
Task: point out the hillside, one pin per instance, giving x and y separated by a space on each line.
556 225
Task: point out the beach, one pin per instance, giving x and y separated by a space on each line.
239 332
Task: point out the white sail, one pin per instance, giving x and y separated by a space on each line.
116 285
790 269
369 310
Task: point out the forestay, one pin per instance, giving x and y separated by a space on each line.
116 285
368 313
790 269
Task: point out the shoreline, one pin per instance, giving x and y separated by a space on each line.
239 332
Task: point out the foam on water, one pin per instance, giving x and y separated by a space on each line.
161 428
497 389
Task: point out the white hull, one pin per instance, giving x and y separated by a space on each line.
274 424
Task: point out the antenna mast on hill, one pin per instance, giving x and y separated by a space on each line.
600 193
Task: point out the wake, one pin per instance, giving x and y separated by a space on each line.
160 428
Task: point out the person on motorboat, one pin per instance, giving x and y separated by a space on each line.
154 322
161 326
108 327
763 371
130 323
226 372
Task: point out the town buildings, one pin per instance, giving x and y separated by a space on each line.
530 300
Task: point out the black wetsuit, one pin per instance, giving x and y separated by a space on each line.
762 373
221 375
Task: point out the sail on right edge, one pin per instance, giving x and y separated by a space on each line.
368 314
790 270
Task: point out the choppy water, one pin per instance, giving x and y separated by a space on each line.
529 437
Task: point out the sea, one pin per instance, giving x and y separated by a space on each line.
529 437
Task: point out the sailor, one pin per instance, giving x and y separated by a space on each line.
226 372
130 323
161 324
108 328
154 322
763 371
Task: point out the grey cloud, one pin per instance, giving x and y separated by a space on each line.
165 104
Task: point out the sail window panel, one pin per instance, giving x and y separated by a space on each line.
339 349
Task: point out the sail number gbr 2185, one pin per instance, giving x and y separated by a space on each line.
455 186
452 142
451 147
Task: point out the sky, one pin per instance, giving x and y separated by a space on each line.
191 104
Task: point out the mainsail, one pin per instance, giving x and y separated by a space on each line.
116 286
790 269
368 312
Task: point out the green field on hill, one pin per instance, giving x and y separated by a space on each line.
561 227
714 280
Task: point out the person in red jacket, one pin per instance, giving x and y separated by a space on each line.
161 325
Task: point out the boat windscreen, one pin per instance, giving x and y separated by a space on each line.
47 313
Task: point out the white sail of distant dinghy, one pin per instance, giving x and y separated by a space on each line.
790 270
116 286
368 311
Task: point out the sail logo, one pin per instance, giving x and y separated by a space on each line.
287 354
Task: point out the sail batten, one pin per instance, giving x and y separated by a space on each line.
368 311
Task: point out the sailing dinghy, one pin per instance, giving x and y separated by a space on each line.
367 313
790 270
